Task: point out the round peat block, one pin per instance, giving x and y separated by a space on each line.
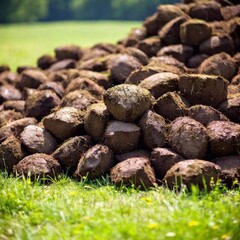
68 52
95 162
64 123
188 137
38 166
161 83
203 89
38 140
171 105
95 120
127 102
10 153
40 103
192 172
230 166
122 137
70 152
205 114
220 64
162 159
224 138
133 171
194 31
154 129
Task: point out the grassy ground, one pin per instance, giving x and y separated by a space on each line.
97 210
22 44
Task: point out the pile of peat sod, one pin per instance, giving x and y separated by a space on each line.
161 106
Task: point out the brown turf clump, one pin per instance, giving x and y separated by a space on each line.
154 129
9 92
224 138
95 162
181 52
150 46
231 108
137 53
127 102
122 137
68 52
188 137
38 166
194 31
79 99
121 65
170 33
203 89
7 116
192 172
18 106
134 171
220 64
32 78
217 44
64 123
205 114
70 152
10 153
95 120
162 159
45 61
40 103
230 166
171 105
38 140
85 84
161 83
15 128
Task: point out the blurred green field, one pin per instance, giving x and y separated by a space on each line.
22 44
68 209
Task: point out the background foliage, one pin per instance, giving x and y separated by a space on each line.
12 11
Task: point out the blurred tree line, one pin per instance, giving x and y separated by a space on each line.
54 10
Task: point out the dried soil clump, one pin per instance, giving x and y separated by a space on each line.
224 138
205 114
95 120
10 153
189 29
161 83
68 52
32 79
154 129
38 140
133 171
192 172
171 105
203 89
127 102
64 123
162 159
96 162
70 152
38 166
122 137
40 103
188 137
230 166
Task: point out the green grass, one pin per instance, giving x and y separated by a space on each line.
22 44
97 210
81 210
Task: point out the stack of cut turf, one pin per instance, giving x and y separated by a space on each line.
161 106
